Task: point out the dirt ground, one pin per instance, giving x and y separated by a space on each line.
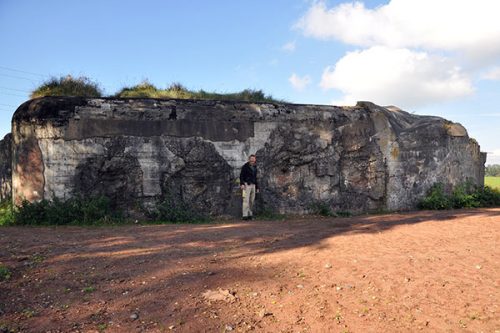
419 271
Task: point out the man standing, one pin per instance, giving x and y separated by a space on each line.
249 186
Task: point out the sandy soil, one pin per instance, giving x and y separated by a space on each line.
420 271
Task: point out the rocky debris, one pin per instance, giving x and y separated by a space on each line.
224 295
264 313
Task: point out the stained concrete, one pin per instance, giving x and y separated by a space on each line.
137 151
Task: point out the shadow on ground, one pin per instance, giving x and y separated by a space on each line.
80 279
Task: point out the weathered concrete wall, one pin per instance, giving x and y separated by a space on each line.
6 167
137 151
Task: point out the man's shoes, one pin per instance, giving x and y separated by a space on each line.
247 218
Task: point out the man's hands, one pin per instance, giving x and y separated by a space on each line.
244 186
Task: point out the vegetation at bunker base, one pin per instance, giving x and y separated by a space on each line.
91 211
73 211
6 212
177 211
99 211
465 195
84 87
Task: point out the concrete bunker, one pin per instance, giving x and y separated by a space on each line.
137 151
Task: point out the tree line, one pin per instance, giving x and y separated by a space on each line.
492 170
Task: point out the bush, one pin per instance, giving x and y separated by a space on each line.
60 212
488 197
178 211
436 198
343 213
68 86
465 195
321 208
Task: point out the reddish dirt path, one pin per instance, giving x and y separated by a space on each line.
428 271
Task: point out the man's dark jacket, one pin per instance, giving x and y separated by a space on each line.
248 175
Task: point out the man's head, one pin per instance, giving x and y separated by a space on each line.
252 159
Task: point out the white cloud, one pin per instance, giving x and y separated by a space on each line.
492 74
468 26
289 47
299 83
416 52
346 101
493 157
396 76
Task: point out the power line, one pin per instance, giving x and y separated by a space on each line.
20 71
17 77
7 105
4 93
14 89
31 79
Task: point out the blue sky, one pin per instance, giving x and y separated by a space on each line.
439 57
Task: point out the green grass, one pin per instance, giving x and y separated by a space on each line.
5 273
68 86
270 215
493 182
176 90
88 289
74 211
84 87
